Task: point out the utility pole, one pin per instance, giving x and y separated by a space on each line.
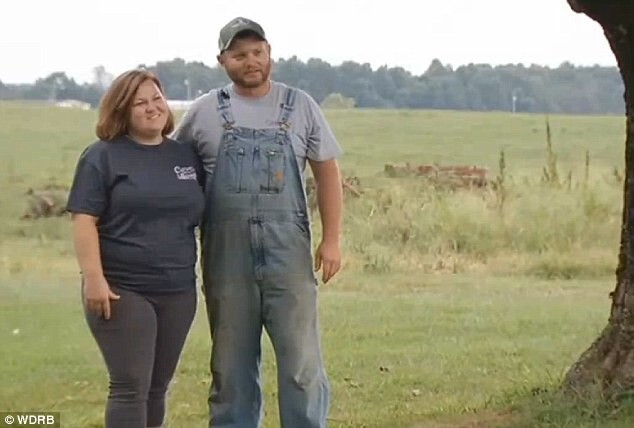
514 98
189 89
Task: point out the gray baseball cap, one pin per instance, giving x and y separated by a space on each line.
235 27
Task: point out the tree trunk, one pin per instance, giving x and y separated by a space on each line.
609 362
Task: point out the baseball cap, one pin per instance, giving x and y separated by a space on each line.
236 26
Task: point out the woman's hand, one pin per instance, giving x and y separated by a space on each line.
97 296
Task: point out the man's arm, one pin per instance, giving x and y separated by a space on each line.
323 150
329 197
330 205
183 131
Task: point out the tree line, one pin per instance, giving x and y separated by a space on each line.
483 87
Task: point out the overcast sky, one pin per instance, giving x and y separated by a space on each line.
38 37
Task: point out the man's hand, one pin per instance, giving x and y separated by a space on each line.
328 258
330 204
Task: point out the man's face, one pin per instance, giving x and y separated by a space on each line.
247 62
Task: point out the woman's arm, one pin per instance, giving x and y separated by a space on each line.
97 293
87 202
86 241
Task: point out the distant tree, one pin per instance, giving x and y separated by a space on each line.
609 361
337 101
436 69
55 86
385 86
564 89
182 79
101 78
321 78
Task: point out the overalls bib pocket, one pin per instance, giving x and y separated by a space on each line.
230 170
273 173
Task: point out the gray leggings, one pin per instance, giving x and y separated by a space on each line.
141 345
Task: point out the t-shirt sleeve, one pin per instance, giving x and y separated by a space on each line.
88 192
321 142
200 169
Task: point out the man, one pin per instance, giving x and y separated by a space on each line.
255 137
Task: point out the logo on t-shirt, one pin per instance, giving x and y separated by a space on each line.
185 172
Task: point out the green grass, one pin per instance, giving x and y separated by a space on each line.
373 138
450 311
447 345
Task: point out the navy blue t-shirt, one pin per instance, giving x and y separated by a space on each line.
149 200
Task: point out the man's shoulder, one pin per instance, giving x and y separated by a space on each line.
283 88
206 100
198 113
303 101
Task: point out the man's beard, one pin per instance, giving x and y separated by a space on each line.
251 83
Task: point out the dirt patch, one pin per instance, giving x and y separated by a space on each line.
449 176
49 201
475 420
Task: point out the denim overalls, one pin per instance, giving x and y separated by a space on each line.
257 272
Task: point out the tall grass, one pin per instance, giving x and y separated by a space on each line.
545 225
411 225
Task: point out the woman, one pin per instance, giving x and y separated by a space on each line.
135 201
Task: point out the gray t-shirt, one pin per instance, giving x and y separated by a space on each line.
311 136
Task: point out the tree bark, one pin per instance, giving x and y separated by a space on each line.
609 361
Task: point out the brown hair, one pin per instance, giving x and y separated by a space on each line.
116 103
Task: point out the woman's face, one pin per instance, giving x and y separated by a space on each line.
148 113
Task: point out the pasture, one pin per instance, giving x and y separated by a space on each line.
454 308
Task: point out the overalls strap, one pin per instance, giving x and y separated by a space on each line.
224 107
287 107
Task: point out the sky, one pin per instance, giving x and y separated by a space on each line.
38 37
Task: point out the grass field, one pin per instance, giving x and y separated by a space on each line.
454 309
